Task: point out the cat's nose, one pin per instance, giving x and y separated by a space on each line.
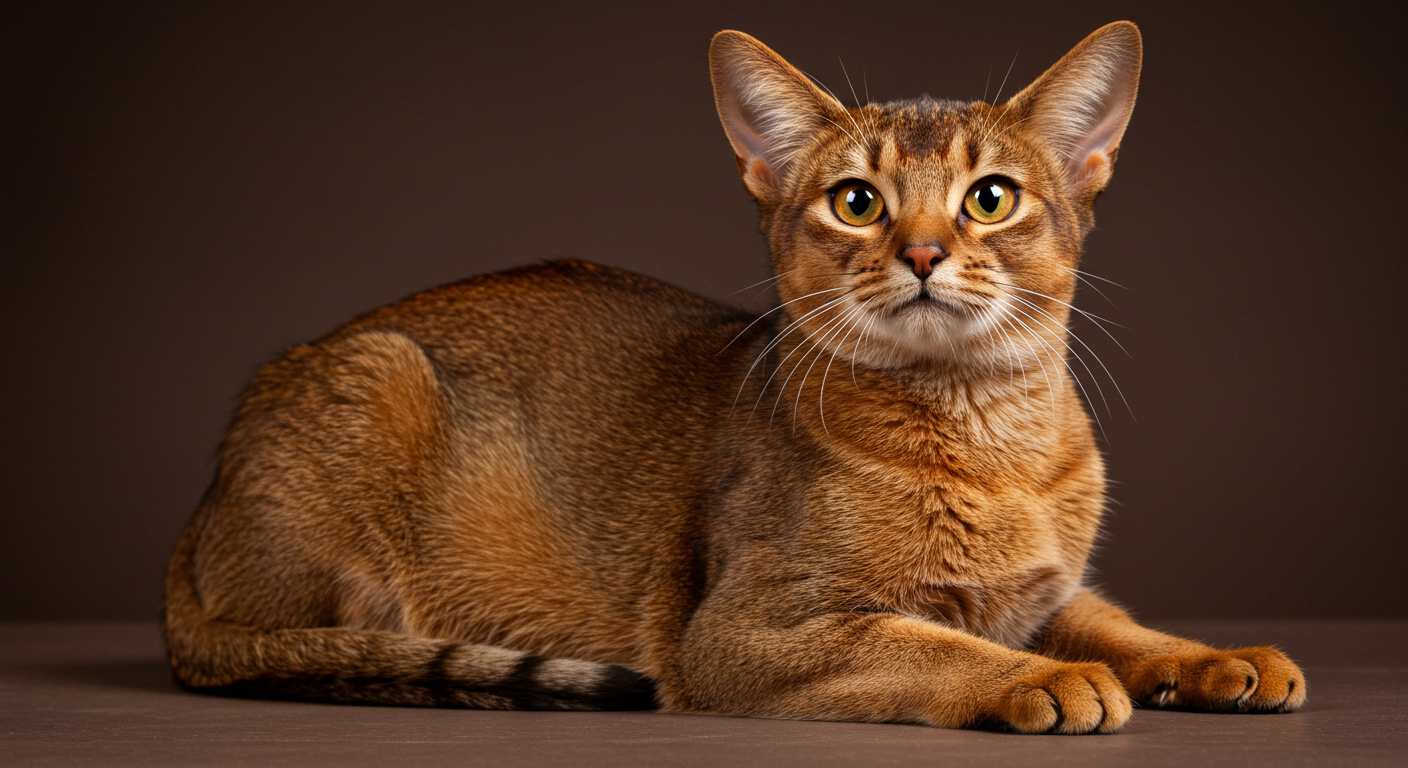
923 258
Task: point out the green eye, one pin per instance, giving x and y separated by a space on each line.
857 203
990 201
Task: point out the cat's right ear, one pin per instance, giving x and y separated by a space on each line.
769 110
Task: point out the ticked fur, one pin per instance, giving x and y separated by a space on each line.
567 486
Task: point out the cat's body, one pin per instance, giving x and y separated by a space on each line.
567 486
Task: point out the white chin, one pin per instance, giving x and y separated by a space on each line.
917 333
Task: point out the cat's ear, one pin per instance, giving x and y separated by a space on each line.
1082 104
768 107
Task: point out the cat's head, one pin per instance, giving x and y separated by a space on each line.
928 231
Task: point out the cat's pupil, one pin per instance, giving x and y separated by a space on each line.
989 198
859 201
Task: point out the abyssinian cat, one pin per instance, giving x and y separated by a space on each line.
570 487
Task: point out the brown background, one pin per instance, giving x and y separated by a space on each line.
189 188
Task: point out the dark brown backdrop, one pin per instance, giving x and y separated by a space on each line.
189 188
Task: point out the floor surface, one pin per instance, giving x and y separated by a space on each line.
78 694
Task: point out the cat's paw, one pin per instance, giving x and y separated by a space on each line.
1065 698
1256 679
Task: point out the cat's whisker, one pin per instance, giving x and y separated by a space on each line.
1062 303
1079 384
1072 370
782 390
994 326
820 348
989 125
1097 277
1093 354
816 340
892 353
1026 388
998 97
821 398
985 320
1010 126
989 313
773 344
759 292
997 118
1093 317
778 276
1050 390
847 111
778 339
1055 332
853 89
847 75
852 137
1093 286
770 311
860 346
869 344
768 384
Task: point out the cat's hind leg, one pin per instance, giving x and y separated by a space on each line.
338 664
289 580
359 666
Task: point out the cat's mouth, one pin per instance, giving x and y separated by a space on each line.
925 302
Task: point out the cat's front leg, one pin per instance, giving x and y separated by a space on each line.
748 652
1162 670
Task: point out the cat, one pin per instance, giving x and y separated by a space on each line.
566 486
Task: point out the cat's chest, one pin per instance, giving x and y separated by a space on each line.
977 515
992 559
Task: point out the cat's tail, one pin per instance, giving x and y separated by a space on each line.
372 667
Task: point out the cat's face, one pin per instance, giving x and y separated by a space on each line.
939 226
929 232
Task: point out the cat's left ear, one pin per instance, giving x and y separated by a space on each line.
1082 104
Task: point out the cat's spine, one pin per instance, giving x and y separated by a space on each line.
372 667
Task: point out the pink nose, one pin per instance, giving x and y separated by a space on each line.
922 259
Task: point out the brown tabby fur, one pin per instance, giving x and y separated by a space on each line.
566 486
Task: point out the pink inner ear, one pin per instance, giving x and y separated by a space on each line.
760 174
1083 103
739 124
1094 162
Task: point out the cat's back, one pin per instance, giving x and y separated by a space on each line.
568 310
572 362
560 339
563 344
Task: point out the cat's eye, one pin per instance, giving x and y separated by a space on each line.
990 200
857 203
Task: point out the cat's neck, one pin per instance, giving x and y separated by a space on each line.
901 414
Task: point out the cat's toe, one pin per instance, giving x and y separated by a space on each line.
1280 683
1219 683
1067 698
1243 680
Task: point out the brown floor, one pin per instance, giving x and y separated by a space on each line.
99 694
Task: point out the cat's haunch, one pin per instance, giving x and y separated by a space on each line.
570 487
